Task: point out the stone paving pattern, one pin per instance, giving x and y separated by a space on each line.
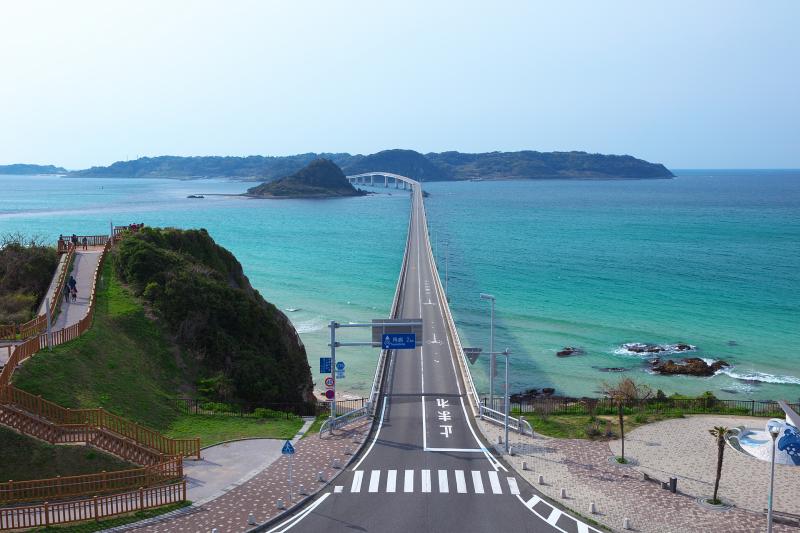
582 467
259 495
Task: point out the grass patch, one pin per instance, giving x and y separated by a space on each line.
582 427
90 527
27 458
316 425
213 429
124 363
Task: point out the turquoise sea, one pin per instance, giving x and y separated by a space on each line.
711 258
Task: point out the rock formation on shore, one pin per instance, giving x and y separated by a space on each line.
691 366
320 179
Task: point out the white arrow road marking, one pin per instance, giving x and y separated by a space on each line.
409 481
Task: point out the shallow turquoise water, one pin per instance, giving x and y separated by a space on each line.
707 258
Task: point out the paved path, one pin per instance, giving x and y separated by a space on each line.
582 467
683 448
51 289
83 270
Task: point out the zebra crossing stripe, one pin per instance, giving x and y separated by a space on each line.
555 514
391 480
409 482
495 482
338 488
443 487
374 481
426 481
530 504
477 482
461 483
512 485
356 486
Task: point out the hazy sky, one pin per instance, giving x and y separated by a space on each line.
689 84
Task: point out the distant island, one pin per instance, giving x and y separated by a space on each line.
445 166
321 178
22 169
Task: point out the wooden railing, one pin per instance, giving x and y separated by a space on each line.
99 419
91 240
8 332
96 508
60 488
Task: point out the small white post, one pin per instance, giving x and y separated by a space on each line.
626 523
251 520
541 480
563 493
524 465
592 508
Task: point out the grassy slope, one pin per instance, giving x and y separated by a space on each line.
127 364
574 426
28 458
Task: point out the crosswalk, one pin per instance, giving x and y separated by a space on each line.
430 481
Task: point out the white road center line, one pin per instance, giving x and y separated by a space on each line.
426 481
512 485
374 480
495 482
356 486
391 480
443 481
477 482
461 483
408 486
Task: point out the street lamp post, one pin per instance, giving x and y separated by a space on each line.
491 298
506 352
774 431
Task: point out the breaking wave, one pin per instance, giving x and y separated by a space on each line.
761 377
639 349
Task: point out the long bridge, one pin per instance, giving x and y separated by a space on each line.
426 466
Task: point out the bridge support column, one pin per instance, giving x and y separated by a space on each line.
396 183
372 181
385 181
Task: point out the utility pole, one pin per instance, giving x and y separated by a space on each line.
492 360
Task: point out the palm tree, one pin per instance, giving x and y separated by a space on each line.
719 433
622 393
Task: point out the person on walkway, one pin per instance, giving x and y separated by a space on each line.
62 245
72 282
85 244
67 291
74 295
74 240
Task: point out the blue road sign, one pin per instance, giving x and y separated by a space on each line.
324 365
340 365
399 341
340 374
287 449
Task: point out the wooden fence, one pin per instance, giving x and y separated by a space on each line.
96 508
60 488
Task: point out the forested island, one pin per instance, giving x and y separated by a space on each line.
444 166
23 169
321 178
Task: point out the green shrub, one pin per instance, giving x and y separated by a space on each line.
217 407
640 418
263 412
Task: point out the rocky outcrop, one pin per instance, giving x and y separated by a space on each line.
691 366
644 348
569 351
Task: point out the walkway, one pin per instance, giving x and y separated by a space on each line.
83 271
582 467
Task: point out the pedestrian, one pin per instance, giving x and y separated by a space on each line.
85 244
74 295
72 282
61 244
74 240
67 291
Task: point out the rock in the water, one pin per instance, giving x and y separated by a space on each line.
691 366
548 391
733 343
570 350
644 348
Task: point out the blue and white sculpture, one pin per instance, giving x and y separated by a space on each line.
758 443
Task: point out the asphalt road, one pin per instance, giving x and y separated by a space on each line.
426 468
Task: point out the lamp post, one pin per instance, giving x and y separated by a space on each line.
491 298
774 431
506 352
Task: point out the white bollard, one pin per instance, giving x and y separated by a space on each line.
524 465
214 530
321 477
347 451
563 493
336 464
541 480
499 439
251 520
303 491
626 523
592 508
280 504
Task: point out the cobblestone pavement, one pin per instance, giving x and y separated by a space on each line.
259 495
582 467
683 448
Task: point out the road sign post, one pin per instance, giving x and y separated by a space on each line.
472 354
288 449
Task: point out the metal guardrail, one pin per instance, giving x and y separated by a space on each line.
347 418
520 425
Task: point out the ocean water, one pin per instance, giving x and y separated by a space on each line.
711 258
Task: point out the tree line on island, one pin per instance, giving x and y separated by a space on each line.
433 166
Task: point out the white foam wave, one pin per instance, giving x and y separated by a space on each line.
758 376
307 326
630 349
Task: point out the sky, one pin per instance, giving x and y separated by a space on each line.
711 84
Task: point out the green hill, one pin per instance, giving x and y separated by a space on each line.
320 179
22 169
404 162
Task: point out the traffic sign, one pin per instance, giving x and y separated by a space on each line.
330 394
399 341
340 375
287 449
324 365
382 326
329 382
472 354
340 366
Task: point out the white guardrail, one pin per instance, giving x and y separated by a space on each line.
369 408
520 425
